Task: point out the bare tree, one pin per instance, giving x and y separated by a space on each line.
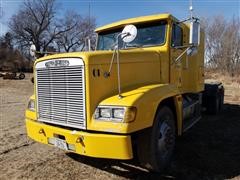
36 22
69 40
222 49
76 38
32 21
10 57
87 28
231 46
6 41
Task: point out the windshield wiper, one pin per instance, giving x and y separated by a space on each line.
133 45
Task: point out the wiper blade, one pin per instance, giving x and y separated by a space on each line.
133 45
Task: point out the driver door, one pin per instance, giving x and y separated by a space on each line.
176 50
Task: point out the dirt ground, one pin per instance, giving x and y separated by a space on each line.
210 150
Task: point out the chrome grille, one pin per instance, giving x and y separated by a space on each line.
61 95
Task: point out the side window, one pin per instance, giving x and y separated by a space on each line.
177 36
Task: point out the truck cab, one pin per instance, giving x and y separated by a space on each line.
94 104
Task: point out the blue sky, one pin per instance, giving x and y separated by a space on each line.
107 11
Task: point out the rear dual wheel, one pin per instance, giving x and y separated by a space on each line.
156 145
215 104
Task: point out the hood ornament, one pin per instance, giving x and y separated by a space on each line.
57 63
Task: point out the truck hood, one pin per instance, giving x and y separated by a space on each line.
104 57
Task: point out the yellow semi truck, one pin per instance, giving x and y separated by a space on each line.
140 89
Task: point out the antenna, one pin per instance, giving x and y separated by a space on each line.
89 13
191 9
88 38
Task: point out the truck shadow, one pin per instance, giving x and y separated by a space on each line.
210 150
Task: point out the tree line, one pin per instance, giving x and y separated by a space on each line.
222 44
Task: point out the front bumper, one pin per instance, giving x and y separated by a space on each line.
84 143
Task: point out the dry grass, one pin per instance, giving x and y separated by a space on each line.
231 84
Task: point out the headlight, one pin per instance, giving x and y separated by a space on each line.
105 112
115 113
118 113
31 105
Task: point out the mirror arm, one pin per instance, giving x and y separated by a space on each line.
185 46
125 35
185 20
188 47
119 78
118 63
189 19
110 68
181 47
127 31
180 56
116 51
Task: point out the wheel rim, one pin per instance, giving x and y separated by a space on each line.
165 139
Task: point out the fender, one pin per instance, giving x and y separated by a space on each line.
146 99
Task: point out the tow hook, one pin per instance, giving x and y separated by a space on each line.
80 140
41 131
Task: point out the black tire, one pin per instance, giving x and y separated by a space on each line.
155 146
221 101
214 105
21 76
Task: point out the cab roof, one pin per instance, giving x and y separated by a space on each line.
134 21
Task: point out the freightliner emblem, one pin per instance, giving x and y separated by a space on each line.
57 63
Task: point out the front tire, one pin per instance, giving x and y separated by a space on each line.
156 145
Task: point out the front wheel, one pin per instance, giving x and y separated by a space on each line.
156 145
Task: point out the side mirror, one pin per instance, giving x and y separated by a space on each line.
194 36
33 51
129 33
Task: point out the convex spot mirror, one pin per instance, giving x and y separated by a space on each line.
129 33
194 36
33 50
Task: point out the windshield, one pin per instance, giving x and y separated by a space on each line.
148 35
